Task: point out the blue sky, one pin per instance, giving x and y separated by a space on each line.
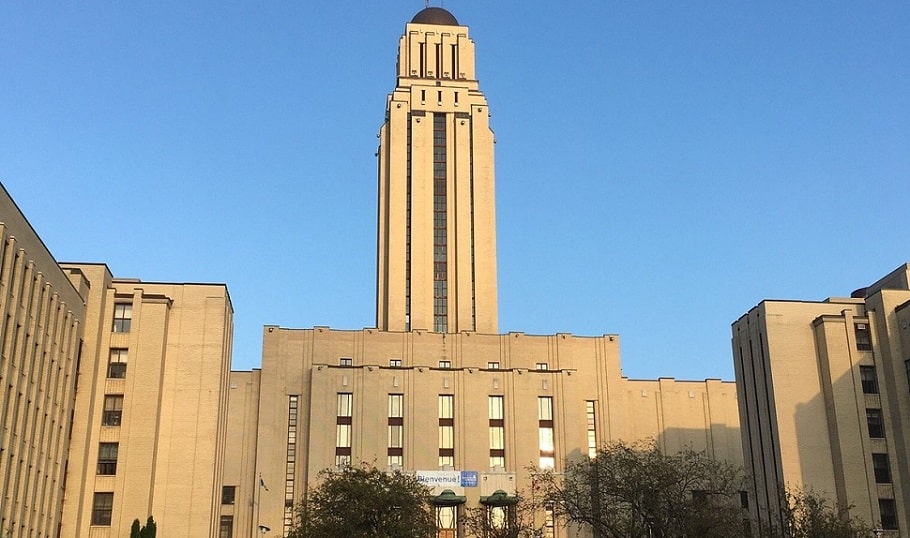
661 166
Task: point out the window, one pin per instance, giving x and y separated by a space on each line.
888 511
226 527
882 468
227 494
497 431
396 429
863 337
395 363
440 226
549 523
876 423
445 364
123 316
493 365
545 428
116 364
446 430
113 410
343 424
107 458
592 428
290 465
867 377
541 366
345 361
102 506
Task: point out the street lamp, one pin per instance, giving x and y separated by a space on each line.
263 529
877 532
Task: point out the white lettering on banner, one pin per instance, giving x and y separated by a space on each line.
439 478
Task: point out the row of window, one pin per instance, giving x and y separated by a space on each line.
446 433
444 364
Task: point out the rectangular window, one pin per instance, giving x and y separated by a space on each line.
545 432
227 494
395 363
867 377
107 458
882 468
343 428
102 506
496 405
876 423
863 337
446 430
888 510
116 364
542 366
445 364
345 361
123 317
592 428
440 224
396 429
226 527
290 465
549 523
113 410
493 365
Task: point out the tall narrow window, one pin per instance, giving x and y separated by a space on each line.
591 416
549 523
228 493
867 377
888 510
290 465
882 468
545 428
875 423
113 410
863 337
343 424
123 317
107 458
440 227
407 220
446 430
396 430
226 527
497 431
116 364
102 506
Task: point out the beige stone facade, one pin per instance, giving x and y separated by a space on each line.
151 408
42 322
825 400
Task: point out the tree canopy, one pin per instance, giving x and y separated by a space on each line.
365 502
810 515
636 491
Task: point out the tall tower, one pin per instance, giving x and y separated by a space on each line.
436 267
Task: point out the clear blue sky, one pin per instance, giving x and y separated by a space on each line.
661 166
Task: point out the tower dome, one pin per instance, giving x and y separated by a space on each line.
435 15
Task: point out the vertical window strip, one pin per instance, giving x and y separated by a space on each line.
545 426
440 226
343 427
496 406
396 430
290 462
446 430
591 416
407 266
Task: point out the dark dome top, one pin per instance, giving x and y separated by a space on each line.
435 15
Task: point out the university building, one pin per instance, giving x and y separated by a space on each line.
824 397
434 389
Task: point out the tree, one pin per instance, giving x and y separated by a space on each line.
148 531
365 502
516 517
636 491
810 515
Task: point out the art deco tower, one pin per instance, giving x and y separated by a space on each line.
437 224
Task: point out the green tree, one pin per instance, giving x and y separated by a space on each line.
365 502
636 491
149 530
810 515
